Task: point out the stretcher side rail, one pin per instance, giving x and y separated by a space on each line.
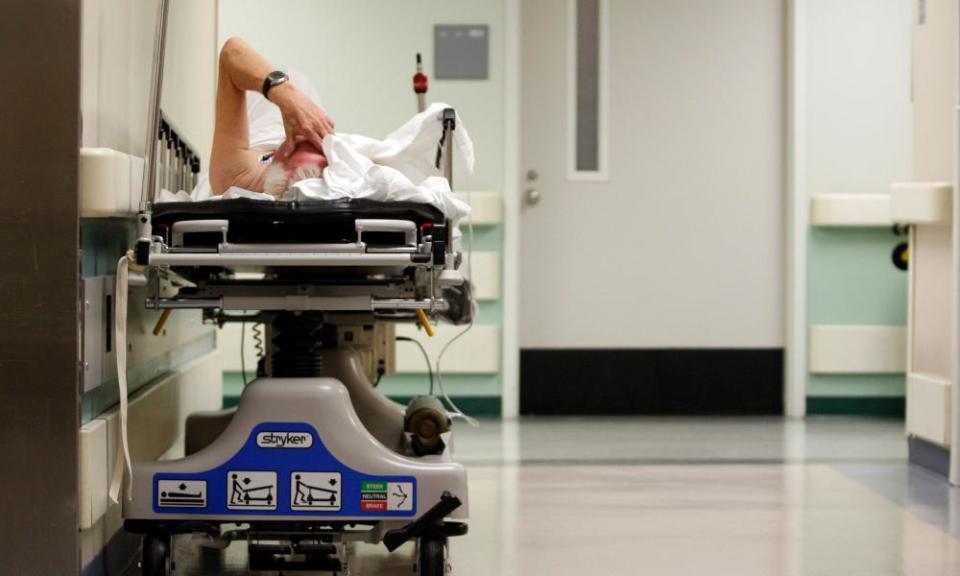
286 259
299 303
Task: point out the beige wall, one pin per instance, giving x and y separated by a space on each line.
933 270
934 91
859 120
934 94
117 55
190 77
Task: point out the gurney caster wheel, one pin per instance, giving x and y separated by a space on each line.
433 556
155 558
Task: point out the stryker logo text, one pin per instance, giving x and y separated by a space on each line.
284 440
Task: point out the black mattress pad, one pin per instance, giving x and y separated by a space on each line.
314 221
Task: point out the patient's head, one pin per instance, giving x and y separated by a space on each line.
305 161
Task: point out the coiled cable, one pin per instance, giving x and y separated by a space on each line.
258 340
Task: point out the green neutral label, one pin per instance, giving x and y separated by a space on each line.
373 486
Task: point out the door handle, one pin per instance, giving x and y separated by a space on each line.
532 196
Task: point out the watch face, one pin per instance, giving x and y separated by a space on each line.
276 76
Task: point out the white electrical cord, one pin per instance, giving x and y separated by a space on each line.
123 463
455 412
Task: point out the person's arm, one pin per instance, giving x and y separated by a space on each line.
241 68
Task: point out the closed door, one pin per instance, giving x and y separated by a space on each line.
653 171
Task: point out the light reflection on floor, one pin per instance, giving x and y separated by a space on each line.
684 496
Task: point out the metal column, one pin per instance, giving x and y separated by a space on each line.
39 279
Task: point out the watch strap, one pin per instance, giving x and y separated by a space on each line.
273 79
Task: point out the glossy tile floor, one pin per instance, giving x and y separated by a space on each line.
685 497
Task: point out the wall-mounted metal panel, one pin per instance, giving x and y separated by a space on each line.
99 361
461 52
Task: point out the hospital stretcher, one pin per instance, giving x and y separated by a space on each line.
314 457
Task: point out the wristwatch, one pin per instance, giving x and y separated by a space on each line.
273 79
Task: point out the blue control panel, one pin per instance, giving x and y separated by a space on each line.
284 469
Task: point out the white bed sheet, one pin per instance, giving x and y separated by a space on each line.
399 168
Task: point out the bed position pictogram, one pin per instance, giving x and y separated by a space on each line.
253 490
315 490
182 493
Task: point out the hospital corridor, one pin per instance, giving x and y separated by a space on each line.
480 287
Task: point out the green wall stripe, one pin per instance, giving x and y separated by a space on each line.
852 385
852 281
856 406
816 405
471 405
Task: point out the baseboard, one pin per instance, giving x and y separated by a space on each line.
888 407
649 381
929 456
470 405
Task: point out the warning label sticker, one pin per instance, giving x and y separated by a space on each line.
386 496
315 491
182 493
251 490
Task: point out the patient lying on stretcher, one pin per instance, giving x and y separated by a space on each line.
283 146
263 166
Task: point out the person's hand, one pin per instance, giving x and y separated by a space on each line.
282 153
303 120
